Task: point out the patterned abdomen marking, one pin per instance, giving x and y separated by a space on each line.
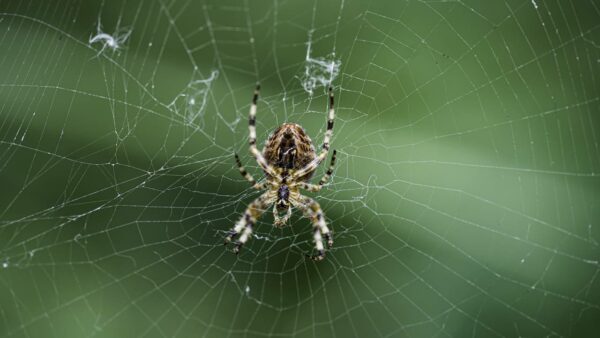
289 148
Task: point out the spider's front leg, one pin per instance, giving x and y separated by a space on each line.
313 211
243 227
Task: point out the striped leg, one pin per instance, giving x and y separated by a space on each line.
325 179
243 227
262 162
313 210
328 133
247 175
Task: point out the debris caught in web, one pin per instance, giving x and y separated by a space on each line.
191 102
113 42
318 71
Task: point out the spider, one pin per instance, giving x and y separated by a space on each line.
289 161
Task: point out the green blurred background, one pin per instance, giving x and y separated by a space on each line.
465 201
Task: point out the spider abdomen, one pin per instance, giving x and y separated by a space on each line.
289 148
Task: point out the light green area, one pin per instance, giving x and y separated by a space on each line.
465 201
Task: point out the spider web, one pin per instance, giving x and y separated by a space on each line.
465 200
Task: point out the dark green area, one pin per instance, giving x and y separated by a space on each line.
465 201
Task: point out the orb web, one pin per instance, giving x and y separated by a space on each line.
464 201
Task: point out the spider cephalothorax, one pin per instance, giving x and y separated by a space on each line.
288 160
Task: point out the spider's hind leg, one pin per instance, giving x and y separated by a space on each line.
247 175
326 142
260 159
324 180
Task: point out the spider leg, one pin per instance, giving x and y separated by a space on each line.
247 175
327 175
243 227
262 162
312 210
325 179
325 149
